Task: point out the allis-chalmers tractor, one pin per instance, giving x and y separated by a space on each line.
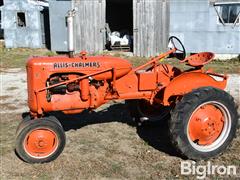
203 117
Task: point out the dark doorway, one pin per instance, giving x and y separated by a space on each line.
45 28
119 19
21 19
1 30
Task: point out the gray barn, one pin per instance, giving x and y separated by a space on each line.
207 25
147 21
25 24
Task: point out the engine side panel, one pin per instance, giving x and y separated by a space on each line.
41 69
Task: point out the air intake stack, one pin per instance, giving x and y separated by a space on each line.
70 19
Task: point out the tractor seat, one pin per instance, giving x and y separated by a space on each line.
199 59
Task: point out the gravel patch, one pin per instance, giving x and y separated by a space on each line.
233 87
13 91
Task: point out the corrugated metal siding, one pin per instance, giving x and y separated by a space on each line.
151 26
196 24
90 25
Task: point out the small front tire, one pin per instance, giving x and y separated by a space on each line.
40 140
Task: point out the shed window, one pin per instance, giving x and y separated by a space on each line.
229 13
21 19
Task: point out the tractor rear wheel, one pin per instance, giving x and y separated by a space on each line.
40 140
142 110
203 123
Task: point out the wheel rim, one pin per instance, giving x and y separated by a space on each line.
40 143
209 126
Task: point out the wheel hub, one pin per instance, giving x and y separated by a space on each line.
41 142
206 124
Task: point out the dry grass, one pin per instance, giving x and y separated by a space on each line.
103 144
16 58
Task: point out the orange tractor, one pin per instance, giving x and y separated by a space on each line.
203 118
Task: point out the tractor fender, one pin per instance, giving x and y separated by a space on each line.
186 82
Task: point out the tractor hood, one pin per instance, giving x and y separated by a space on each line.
81 65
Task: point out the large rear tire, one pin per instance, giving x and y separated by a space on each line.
203 123
40 140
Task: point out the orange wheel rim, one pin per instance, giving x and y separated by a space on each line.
41 143
206 124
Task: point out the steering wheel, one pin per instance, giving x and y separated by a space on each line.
180 52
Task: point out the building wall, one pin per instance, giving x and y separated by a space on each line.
58 28
89 25
151 27
151 21
195 22
15 36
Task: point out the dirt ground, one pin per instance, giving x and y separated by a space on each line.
103 144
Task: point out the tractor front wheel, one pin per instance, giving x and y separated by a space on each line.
40 140
203 123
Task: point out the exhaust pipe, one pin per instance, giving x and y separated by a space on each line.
70 16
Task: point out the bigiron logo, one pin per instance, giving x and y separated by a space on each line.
76 65
202 171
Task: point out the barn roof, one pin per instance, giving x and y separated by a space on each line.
224 1
21 5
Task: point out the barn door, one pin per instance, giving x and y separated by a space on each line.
89 25
151 26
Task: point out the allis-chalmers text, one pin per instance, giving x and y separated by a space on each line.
76 65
